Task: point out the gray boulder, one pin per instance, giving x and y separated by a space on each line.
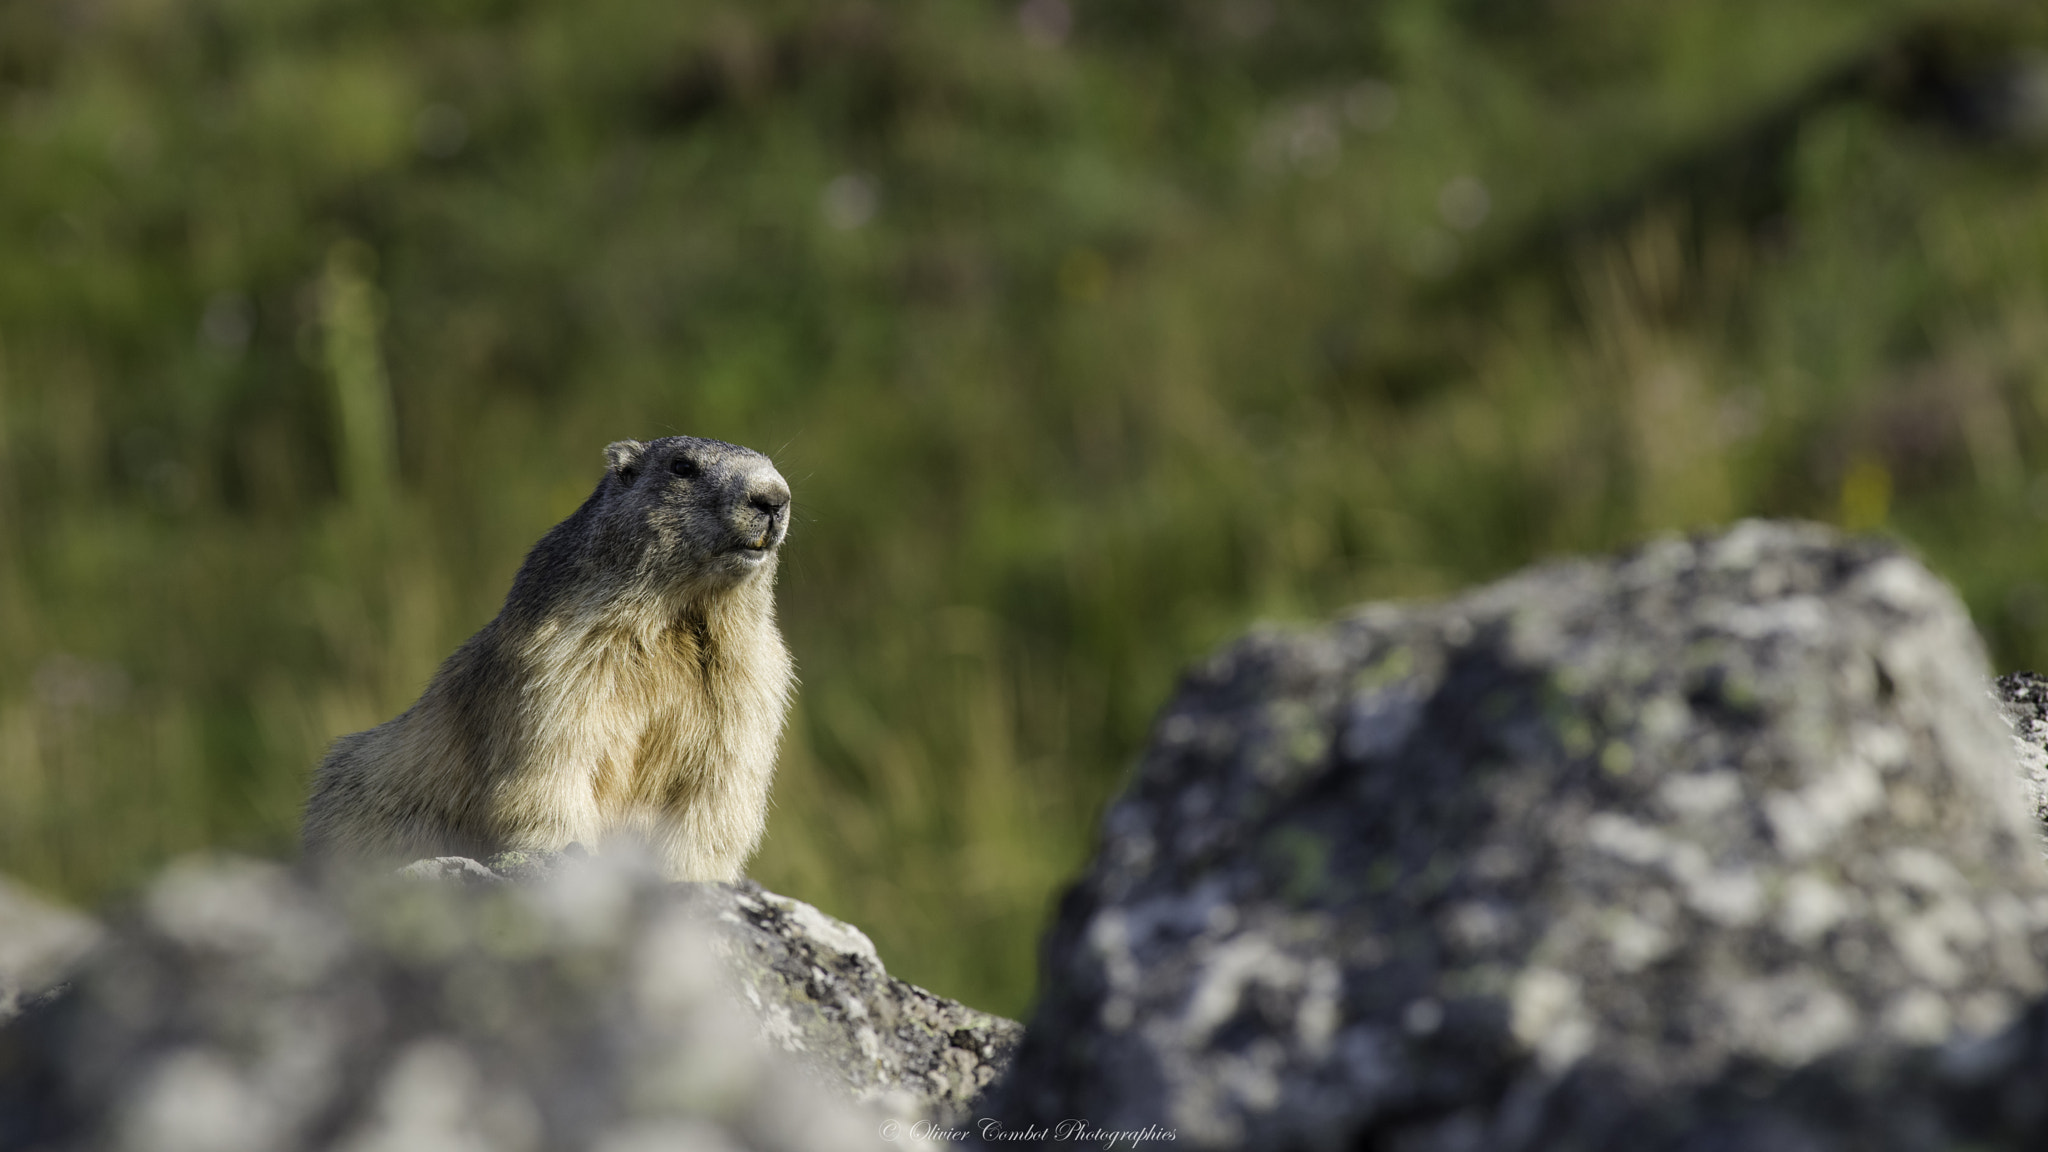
39 942
238 1009
821 995
827 1004
1715 845
2023 701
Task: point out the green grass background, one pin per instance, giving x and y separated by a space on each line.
1087 334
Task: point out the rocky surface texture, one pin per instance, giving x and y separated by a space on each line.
2023 700
822 995
827 1003
1718 845
239 1010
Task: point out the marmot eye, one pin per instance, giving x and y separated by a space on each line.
683 466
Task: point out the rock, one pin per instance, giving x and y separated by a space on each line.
822 996
825 1000
240 1010
1714 845
458 870
38 943
2023 701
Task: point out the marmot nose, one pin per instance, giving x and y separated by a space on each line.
769 494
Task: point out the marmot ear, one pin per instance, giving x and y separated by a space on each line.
624 455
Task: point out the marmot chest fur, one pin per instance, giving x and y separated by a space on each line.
633 686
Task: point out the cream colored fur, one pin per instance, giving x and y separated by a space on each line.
644 709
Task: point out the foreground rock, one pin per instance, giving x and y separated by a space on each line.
1718 845
38 944
238 1009
823 998
826 1003
2023 700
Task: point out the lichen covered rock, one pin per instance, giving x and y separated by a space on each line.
1716 845
821 994
827 1003
2023 700
238 1009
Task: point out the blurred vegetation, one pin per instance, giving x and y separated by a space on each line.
1087 332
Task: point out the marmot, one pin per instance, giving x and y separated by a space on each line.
633 686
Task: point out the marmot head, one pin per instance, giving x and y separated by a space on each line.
685 514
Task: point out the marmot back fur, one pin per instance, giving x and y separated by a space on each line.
633 686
